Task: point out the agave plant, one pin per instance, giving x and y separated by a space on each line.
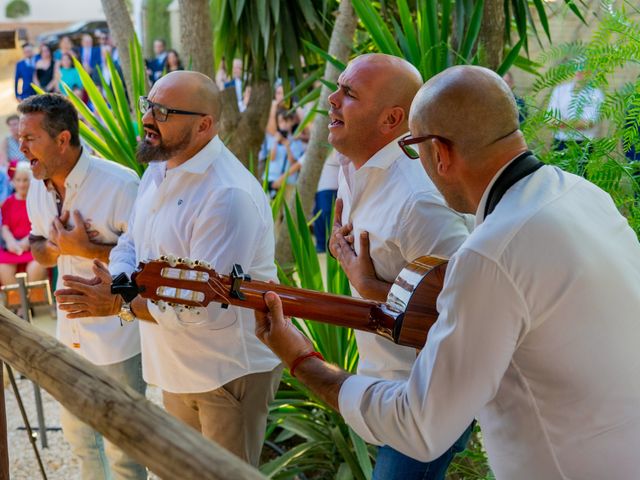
428 37
323 443
111 129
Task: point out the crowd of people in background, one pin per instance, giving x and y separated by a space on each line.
49 69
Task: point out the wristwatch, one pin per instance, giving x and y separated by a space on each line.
126 314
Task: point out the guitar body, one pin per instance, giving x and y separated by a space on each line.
415 292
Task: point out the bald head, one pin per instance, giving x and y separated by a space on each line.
394 80
471 106
191 91
371 106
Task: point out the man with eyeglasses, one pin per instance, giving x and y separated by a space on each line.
78 206
389 206
196 200
538 330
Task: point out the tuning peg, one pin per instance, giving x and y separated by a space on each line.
162 305
188 262
171 260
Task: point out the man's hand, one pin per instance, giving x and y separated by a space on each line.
89 297
358 268
278 333
338 231
72 241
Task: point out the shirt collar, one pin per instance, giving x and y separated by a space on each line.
385 157
201 161
485 196
77 174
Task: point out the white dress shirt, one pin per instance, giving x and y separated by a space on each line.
393 199
209 208
569 104
537 337
103 192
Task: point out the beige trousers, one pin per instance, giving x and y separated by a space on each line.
234 415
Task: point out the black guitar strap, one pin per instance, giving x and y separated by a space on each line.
524 165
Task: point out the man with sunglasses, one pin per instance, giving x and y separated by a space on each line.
538 329
395 213
196 200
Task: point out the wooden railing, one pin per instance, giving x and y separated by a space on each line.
147 433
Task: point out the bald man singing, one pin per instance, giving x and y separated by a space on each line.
195 200
538 330
389 205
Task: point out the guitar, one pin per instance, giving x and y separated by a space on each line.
405 318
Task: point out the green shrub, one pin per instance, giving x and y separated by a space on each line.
17 9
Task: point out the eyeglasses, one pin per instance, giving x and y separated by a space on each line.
411 152
160 112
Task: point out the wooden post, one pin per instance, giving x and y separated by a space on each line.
4 444
143 430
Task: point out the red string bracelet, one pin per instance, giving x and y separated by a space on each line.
301 359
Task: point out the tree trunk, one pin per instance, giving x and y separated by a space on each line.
340 47
492 33
150 435
121 29
243 133
196 36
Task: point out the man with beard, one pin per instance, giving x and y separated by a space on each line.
195 200
69 188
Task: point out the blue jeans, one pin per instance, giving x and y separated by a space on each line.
324 204
99 458
393 465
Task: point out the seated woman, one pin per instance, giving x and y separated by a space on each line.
15 232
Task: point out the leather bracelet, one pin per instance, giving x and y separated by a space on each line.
296 363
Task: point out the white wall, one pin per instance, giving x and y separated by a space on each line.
58 11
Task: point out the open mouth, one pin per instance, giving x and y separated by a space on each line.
334 121
33 162
151 136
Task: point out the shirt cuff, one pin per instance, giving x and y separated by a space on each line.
350 404
120 267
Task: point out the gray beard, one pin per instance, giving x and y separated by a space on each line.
146 153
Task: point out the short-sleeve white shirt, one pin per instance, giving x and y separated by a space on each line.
209 208
393 199
103 192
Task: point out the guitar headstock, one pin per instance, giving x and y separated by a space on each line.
171 281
